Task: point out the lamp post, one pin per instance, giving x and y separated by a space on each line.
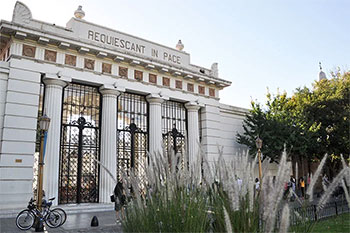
258 143
44 123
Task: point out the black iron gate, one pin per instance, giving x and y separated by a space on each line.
174 124
132 140
80 140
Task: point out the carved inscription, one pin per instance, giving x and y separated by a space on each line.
115 41
178 84
70 60
50 55
190 87
138 75
119 41
106 68
89 64
28 51
153 78
201 90
166 81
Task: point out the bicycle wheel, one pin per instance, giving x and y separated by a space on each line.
62 213
25 220
53 219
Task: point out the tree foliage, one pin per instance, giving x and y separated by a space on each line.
310 123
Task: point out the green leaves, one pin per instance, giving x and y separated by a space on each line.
310 123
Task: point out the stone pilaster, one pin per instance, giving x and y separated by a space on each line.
53 109
108 156
193 131
155 123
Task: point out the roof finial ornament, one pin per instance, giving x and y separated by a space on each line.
321 75
180 46
79 13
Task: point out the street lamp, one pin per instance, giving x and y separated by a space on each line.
44 123
258 143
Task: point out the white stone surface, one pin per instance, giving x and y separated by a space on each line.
108 142
52 108
20 122
17 147
24 98
16 173
193 131
25 87
16 160
11 134
155 126
4 70
21 110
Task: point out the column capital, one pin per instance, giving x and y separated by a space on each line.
154 98
109 90
56 79
192 106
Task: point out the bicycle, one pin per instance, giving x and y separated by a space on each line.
28 217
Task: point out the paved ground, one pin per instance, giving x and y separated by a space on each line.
77 222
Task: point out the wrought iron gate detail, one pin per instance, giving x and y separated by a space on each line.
132 134
174 124
80 141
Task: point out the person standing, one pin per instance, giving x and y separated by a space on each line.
119 201
302 186
257 186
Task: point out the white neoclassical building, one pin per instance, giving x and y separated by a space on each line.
111 97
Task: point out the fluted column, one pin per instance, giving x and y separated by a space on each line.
193 131
52 108
108 156
155 123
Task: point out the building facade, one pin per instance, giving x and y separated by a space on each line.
111 97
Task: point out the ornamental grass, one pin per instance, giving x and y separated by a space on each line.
172 196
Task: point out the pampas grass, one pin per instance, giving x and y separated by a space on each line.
331 188
227 221
310 191
173 197
285 219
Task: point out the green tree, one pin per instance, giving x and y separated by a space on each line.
310 123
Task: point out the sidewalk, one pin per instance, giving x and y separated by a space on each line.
76 222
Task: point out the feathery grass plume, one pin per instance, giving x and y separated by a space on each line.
298 215
227 221
347 197
285 219
272 194
310 191
347 178
296 196
331 188
106 169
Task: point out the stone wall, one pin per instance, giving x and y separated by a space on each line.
18 123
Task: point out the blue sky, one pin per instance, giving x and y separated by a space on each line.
258 44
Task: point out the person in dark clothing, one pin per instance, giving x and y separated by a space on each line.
119 200
302 186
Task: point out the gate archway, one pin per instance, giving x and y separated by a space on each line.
174 128
132 134
80 142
